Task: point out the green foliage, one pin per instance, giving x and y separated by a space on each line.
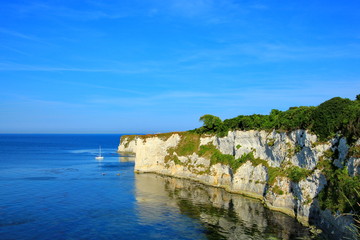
354 151
328 154
270 142
276 189
189 144
244 158
225 159
211 123
211 152
317 143
337 115
296 174
290 151
355 228
331 116
127 139
341 190
340 193
297 149
238 146
258 161
308 200
207 150
295 118
274 172
173 158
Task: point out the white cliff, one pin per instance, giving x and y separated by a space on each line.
274 147
250 180
155 153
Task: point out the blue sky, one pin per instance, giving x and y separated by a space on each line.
150 66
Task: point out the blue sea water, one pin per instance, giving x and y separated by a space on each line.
51 187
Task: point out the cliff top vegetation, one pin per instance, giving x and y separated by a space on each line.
334 116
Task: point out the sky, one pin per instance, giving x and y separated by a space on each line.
149 66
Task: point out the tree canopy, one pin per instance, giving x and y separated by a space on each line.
211 122
337 115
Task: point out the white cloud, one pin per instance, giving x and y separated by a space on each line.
38 68
19 35
47 10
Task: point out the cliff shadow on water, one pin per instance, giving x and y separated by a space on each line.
221 214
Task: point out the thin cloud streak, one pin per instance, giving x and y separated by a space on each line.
15 50
18 34
65 12
23 67
24 100
96 86
269 52
239 98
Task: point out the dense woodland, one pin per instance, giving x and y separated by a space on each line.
334 116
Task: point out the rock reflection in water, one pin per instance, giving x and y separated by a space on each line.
221 215
126 159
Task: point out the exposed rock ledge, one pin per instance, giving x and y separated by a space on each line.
297 148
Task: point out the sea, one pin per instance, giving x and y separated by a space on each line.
52 187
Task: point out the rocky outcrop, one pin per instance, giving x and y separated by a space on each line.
298 147
280 196
353 163
155 153
250 180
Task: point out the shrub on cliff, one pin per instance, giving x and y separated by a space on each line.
340 193
332 116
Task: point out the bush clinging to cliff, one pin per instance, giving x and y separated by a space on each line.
340 193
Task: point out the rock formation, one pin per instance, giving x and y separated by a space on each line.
274 151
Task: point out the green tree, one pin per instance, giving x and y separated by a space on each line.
211 123
331 116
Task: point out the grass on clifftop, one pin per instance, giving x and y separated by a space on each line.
189 143
163 136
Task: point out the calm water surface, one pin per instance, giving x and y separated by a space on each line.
51 187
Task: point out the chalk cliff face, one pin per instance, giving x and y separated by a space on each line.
298 148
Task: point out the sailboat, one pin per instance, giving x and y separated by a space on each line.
99 157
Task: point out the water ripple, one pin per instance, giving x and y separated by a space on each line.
39 178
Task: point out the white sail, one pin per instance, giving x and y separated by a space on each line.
99 157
